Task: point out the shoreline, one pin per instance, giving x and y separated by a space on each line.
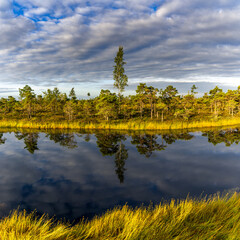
118 125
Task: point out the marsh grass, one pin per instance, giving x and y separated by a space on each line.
212 218
118 125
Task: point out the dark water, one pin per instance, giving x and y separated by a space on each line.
70 175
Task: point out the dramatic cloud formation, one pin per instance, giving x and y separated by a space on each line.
70 42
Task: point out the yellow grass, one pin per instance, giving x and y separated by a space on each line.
118 125
215 218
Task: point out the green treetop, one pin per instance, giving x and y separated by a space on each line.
27 97
119 75
72 94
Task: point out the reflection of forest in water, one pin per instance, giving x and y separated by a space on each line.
112 143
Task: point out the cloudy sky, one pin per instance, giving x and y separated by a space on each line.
72 43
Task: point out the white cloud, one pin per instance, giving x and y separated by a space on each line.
169 7
76 41
36 11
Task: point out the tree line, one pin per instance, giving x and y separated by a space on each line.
147 103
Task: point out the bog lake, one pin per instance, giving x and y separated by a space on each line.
69 174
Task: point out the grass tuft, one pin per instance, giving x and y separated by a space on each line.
212 218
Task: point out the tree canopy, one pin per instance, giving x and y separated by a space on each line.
148 103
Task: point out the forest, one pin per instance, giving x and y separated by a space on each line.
148 103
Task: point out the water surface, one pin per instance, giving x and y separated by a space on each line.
71 175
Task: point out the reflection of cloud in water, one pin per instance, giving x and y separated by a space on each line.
181 169
81 181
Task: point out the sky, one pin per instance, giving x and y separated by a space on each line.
72 43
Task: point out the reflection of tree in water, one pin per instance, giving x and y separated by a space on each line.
169 138
120 157
87 137
2 140
172 137
108 143
30 140
64 139
228 137
147 144
111 144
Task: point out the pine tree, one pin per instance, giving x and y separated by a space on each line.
72 94
27 97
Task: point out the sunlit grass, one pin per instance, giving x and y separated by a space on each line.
118 125
215 218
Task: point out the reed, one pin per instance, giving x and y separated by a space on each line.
212 218
118 125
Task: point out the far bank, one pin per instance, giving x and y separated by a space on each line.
119 125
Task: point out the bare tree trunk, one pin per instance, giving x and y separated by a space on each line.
215 108
154 109
151 110
141 109
29 111
119 103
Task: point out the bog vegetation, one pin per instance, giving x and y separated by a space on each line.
215 218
